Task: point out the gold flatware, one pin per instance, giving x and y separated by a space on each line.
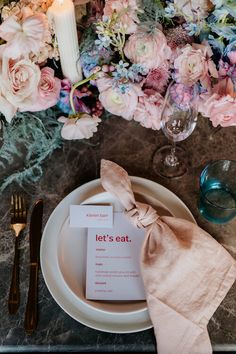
18 223
35 233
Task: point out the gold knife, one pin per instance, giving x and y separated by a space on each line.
35 233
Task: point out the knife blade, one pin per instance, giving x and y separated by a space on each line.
35 233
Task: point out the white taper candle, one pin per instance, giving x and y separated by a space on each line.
62 15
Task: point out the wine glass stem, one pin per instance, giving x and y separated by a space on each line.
171 159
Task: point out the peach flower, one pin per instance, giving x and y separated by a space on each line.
194 64
149 49
19 81
149 110
79 128
127 13
116 102
25 37
48 92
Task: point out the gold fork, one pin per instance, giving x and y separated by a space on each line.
18 223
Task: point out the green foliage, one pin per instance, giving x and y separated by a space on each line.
26 143
153 11
88 38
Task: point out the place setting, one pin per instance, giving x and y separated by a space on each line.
64 255
104 281
118 165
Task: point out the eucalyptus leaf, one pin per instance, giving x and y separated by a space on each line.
27 142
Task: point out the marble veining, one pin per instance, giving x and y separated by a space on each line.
131 146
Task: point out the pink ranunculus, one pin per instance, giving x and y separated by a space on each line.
149 110
194 64
19 81
126 11
25 37
48 92
79 128
149 49
116 102
220 109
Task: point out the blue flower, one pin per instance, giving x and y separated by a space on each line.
103 41
193 29
170 10
121 68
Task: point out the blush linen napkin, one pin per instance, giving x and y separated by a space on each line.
186 273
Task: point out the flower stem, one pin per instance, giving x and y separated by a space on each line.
74 87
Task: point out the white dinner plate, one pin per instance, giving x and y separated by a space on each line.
72 255
63 286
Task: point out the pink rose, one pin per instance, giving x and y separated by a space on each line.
19 81
220 109
116 102
149 49
149 110
48 92
194 64
126 11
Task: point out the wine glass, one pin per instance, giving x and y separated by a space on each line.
177 123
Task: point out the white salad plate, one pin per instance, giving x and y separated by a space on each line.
63 257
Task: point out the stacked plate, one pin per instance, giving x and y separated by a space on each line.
63 257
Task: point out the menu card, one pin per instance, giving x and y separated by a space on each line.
113 261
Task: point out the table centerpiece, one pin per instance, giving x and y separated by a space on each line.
65 66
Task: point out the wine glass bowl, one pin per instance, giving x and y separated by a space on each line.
177 123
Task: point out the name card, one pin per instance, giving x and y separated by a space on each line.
91 216
113 261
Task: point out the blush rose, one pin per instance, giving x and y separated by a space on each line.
48 92
19 81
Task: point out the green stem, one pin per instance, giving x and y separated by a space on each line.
74 87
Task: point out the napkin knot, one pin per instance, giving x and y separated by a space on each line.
142 215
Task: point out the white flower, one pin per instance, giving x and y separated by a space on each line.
79 128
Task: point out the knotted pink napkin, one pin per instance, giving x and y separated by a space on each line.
186 273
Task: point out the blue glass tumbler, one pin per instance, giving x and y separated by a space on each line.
217 202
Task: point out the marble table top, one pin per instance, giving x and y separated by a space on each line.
131 146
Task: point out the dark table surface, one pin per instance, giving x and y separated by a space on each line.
131 146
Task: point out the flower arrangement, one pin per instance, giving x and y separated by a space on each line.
26 83
130 52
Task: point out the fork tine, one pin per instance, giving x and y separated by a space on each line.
12 208
20 214
16 211
24 209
